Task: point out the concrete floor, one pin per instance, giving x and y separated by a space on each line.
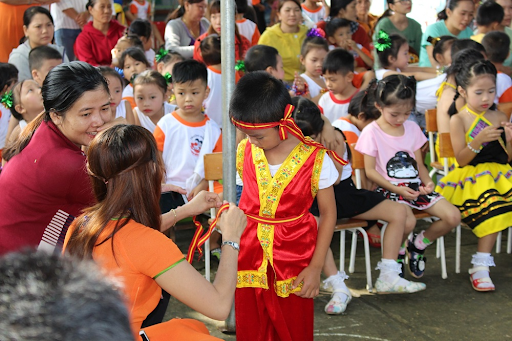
448 310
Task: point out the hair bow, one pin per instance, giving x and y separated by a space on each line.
316 32
240 65
7 100
168 78
161 54
383 42
134 76
119 71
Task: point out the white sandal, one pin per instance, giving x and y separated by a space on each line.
477 283
335 306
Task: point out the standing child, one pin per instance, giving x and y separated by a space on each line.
392 156
41 60
312 55
133 61
338 70
481 143
120 107
210 52
150 91
282 250
8 77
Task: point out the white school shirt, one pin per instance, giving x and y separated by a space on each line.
503 84
150 56
5 115
121 109
248 29
128 91
333 108
142 10
314 89
146 122
379 74
183 145
315 15
213 103
61 20
426 93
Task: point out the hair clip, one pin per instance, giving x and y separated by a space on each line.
119 71
240 65
168 78
316 32
161 54
7 99
134 76
433 41
383 42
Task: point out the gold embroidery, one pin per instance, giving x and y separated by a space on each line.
317 169
240 152
285 288
251 279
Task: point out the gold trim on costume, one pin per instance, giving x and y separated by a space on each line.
317 169
240 152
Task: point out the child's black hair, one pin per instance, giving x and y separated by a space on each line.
334 24
134 40
462 44
267 104
260 57
338 61
313 42
140 28
108 71
151 77
440 44
489 12
210 50
134 53
364 102
38 55
497 46
307 115
8 75
395 90
189 71
462 59
466 74
171 56
337 6
397 41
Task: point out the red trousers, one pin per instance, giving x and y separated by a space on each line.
263 316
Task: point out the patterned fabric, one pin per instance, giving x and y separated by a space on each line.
421 203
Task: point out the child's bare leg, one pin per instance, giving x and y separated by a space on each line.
481 261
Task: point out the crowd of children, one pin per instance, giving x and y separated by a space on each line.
307 89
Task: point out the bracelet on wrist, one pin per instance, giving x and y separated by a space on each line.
234 245
476 151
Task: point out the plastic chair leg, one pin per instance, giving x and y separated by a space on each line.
342 250
353 249
509 240
457 249
440 243
498 243
369 285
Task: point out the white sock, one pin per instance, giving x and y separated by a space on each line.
389 272
338 283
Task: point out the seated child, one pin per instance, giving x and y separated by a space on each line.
488 18
314 10
122 45
119 106
496 47
338 70
442 52
186 135
133 61
393 160
8 78
282 249
142 29
246 27
312 55
210 52
41 60
150 91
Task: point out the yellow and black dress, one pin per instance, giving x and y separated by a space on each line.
482 190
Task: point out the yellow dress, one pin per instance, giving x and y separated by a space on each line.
482 190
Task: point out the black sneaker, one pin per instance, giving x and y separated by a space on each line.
401 260
417 260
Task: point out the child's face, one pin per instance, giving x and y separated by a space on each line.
121 46
337 82
190 96
445 58
46 67
480 94
215 22
266 139
507 8
402 58
395 115
313 61
132 67
31 101
279 71
341 36
116 92
149 99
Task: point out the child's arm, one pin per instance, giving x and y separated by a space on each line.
423 174
328 136
311 273
366 59
373 175
420 76
130 117
202 186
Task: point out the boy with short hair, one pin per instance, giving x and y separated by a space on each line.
496 46
264 58
42 60
488 18
338 70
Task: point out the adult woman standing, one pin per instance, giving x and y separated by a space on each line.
453 21
121 233
38 30
181 33
287 36
99 36
364 17
395 20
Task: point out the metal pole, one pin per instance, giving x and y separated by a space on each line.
228 130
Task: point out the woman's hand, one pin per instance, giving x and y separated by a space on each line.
173 188
202 202
232 223
406 193
429 188
310 277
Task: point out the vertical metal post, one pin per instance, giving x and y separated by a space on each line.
228 130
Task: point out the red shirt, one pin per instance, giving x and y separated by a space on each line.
47 176
93 47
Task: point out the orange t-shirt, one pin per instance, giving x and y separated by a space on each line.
141 255
11 29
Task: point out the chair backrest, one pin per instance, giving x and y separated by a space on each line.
445 145
357 158
431 120
213 166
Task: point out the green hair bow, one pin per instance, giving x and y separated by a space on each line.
240 65
383 42
168 77
161 54
7 100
